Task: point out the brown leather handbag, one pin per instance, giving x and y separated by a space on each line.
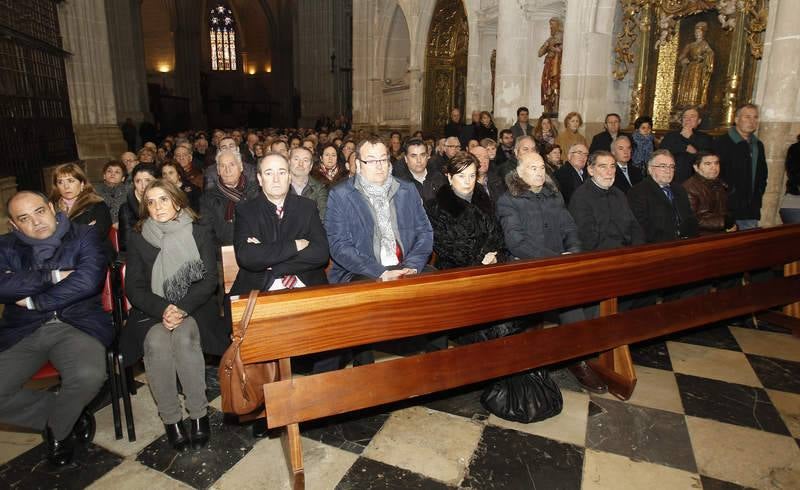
242 385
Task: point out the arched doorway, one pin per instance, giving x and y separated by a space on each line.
445 64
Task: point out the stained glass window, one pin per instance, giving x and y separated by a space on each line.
222 30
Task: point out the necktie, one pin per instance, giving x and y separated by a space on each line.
668 192
625 173
288 281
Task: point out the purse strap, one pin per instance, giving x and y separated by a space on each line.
248 313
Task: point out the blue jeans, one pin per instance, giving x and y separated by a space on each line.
746 224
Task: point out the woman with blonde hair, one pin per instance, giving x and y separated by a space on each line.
75 196
570 135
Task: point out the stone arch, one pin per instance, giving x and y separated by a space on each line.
398 49
445 64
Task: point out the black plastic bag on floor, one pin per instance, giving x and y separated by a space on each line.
527 397
482 333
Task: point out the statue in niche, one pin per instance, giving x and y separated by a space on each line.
697 63
551 73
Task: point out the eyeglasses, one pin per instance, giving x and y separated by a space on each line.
584 153
452 146
384 161
664 166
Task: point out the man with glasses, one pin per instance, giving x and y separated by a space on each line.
660 205
377 227
572 175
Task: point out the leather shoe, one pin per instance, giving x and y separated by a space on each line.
59 453
199 432
588 378
176 433
85 427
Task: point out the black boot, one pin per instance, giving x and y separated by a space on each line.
176 433
84 427
199 432
260 428
59 453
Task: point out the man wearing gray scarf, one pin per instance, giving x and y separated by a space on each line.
377 227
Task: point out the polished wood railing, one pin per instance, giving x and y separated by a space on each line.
318 319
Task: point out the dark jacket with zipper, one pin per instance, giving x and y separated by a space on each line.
74 300
604 218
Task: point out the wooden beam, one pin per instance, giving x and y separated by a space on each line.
319 319
322 395
615 366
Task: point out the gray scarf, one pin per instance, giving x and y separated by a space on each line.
178 263
378 197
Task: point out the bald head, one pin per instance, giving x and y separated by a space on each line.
32 214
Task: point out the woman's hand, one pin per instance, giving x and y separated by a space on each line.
490 258
172 317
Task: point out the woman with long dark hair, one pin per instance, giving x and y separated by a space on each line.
331 169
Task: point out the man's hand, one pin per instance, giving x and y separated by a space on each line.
490 258
252 239
93 222
301 244
397 274
691 149
22 303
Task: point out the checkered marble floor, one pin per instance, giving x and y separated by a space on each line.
716 408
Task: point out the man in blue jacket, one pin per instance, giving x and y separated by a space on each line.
376 225
51 276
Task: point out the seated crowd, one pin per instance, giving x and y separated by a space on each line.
307 207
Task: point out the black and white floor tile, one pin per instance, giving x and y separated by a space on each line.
716 408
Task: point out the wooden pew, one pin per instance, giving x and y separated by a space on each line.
300 322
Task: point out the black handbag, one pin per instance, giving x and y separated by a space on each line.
526 397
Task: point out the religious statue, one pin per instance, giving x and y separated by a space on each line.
697 63
551 74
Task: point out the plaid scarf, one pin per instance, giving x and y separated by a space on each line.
234 195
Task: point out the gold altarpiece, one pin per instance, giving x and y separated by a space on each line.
653 43
445 65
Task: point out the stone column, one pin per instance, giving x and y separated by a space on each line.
90 82
779 99
8 187
188 57
365 14
511 76
127 59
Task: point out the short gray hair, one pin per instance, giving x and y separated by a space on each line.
237 157
522 138
658 153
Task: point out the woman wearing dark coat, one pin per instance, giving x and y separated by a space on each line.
486 129
74 195
465 229
171 282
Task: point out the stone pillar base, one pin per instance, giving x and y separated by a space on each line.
97 144
8 187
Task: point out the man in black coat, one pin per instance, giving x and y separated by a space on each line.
661 206
601 210
686 144
417 167
51 276
505 149
743 166
627 175
454 126
278 237
602 141
280 244
572 174
217 204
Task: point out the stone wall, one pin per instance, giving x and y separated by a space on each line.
8 186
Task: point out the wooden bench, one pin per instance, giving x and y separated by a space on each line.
289 324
